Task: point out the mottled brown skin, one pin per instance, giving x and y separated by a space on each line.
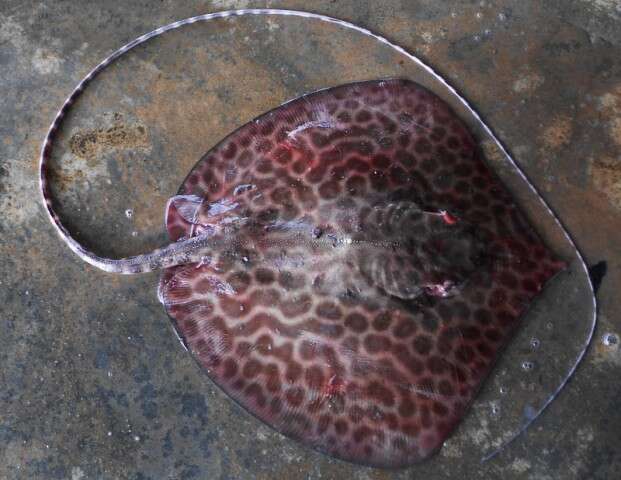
365 269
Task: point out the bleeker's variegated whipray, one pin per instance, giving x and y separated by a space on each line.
346 266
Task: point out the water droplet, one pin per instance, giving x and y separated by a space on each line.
534 343
527 365
136 438
245 259
479 15
495 409
610 339
134 233
503 390
109 434
502 17
129 213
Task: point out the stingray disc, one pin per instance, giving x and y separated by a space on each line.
367 267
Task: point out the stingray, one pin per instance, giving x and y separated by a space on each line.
346 267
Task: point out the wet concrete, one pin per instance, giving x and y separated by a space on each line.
93 383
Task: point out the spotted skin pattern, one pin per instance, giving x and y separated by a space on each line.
364 268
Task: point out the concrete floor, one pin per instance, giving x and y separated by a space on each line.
93 383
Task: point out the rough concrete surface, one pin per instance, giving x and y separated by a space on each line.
93 382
